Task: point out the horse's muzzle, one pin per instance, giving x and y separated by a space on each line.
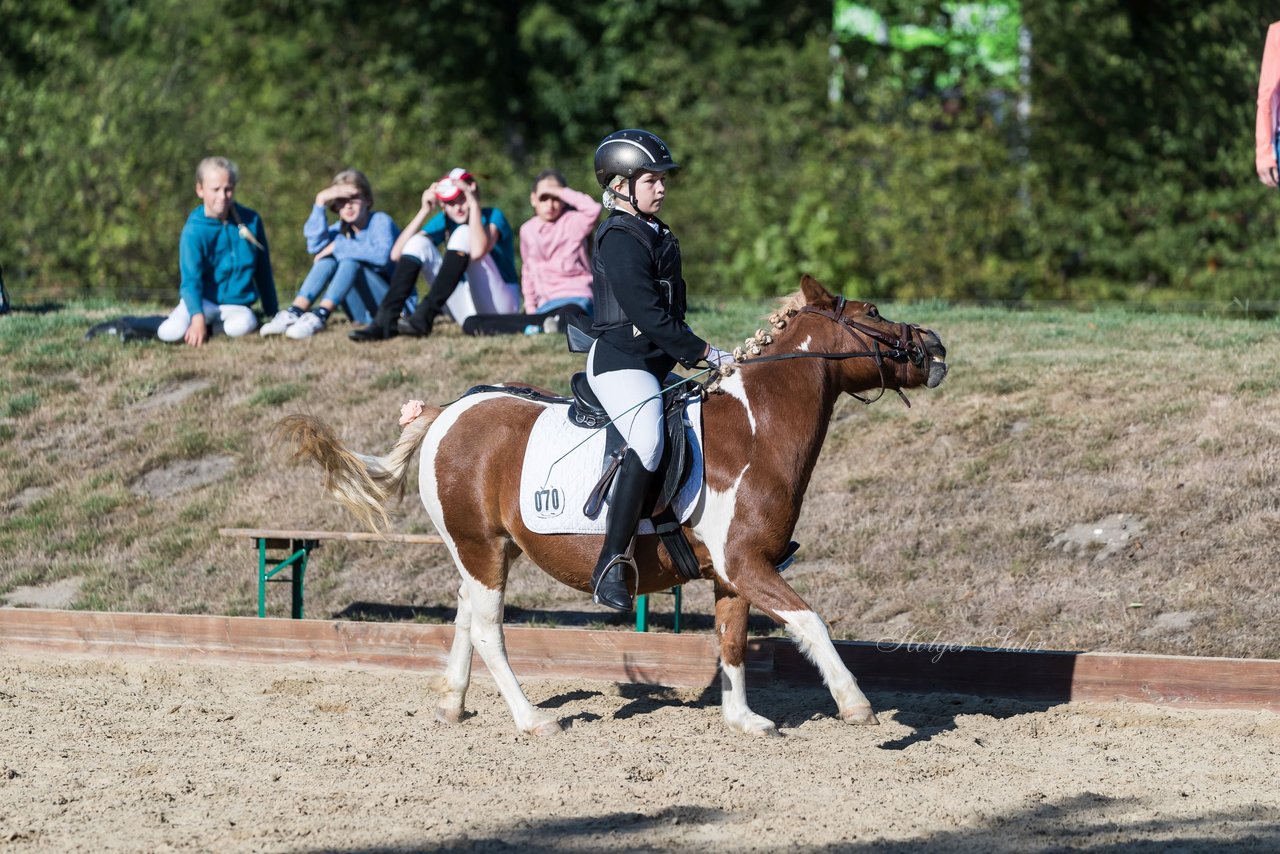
937 355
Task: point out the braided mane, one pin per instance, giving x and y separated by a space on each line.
787 308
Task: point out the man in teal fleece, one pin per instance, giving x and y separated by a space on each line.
224 262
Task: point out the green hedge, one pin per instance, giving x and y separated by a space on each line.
1137 183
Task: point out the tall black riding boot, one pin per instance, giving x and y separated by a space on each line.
404 281
609 581
452 269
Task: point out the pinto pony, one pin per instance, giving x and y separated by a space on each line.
763 429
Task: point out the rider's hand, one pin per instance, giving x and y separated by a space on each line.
717 357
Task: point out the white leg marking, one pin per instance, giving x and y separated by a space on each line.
486 635
712 519
733 703
457 673
733 386
810 634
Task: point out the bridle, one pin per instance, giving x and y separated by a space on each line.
900 347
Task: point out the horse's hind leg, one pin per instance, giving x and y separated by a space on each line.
486 636
731 625
457 674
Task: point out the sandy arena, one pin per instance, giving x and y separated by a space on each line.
140 755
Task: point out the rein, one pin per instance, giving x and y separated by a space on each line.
899 349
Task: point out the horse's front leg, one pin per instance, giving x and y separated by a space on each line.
731 626
758 581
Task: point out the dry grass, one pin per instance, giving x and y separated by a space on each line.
932 523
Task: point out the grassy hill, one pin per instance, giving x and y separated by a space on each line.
1081 481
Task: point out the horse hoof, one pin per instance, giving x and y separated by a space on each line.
860 717
546 728
448 716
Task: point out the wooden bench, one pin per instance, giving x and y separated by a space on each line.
298 546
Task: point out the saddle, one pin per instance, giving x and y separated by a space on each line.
586 412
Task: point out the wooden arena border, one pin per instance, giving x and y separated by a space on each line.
687 660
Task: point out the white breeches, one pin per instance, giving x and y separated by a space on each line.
233 320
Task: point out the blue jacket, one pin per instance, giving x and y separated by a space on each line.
219 265
371 246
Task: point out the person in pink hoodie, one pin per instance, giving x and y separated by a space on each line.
553 248
1268 109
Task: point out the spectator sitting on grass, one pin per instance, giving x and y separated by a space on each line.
352 259
224 262
477 244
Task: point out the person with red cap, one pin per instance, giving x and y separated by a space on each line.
477 244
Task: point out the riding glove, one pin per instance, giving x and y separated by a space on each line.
717 357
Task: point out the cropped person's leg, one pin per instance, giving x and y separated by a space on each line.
404 282
444 284
175 325
236 320
367 292
485 293
318 277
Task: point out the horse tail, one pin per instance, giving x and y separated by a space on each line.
361 483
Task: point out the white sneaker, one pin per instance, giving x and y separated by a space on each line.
278 324
306 326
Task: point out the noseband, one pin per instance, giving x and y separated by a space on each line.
902 347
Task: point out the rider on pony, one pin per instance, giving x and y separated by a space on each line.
639 332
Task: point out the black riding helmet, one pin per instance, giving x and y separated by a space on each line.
628 153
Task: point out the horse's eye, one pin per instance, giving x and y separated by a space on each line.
873 312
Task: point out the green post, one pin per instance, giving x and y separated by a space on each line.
262 577
299 574
642 613
678 592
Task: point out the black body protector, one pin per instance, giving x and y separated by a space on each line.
665 251
657 337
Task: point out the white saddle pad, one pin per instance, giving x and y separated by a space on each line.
564 462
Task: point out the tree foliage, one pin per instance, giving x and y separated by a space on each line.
1131 177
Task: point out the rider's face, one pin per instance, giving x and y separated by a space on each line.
651 190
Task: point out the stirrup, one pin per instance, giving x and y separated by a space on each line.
625 559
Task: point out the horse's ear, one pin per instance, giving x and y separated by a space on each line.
814 291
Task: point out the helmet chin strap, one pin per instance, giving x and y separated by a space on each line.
630 198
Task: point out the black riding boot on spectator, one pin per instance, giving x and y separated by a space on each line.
404 280
609 581
452 269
